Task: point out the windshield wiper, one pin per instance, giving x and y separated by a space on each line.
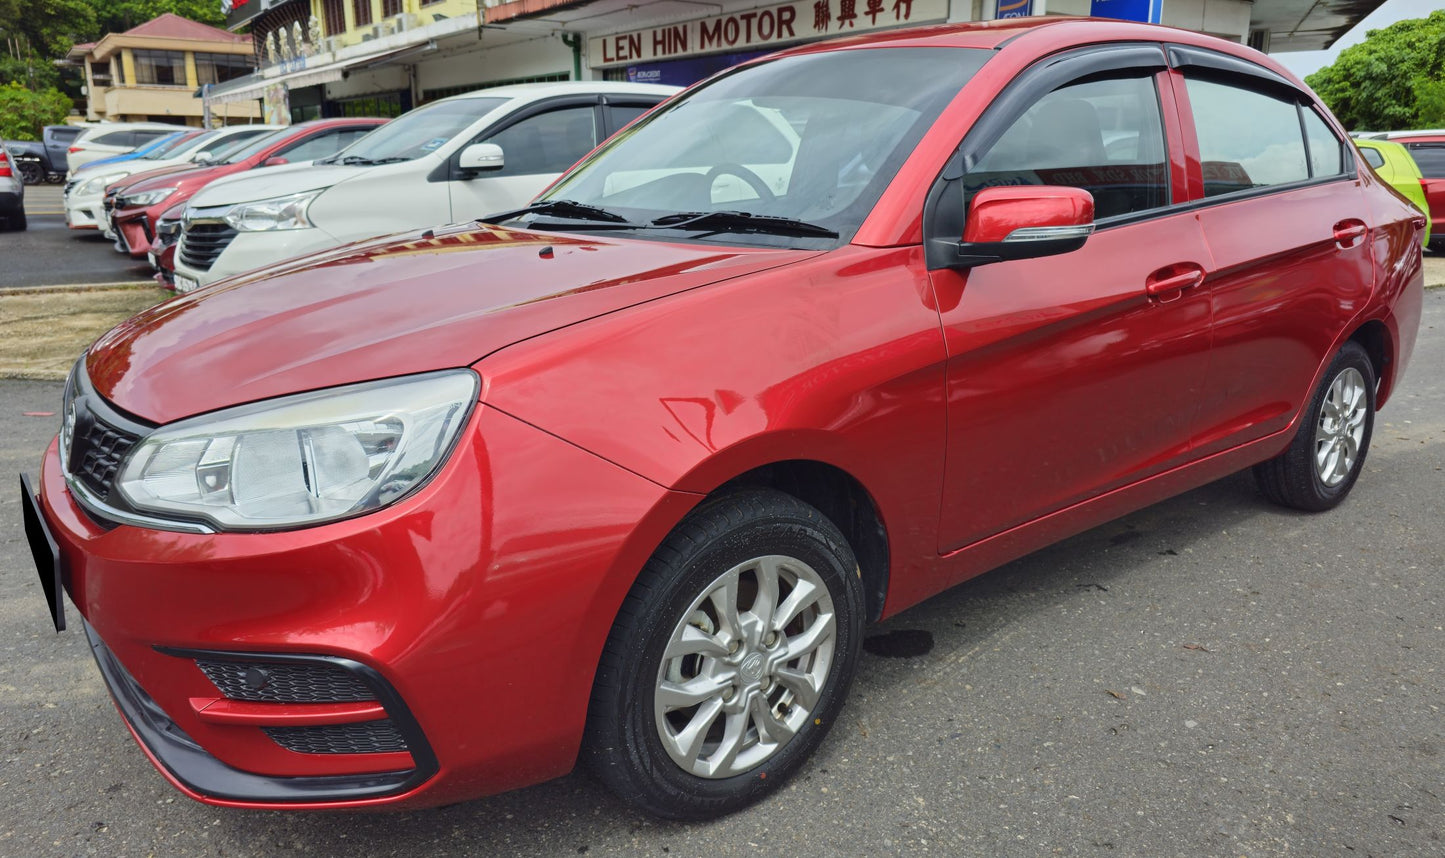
568 209
739 221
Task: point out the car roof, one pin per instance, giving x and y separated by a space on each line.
568 87
1039 36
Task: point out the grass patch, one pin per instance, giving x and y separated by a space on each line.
43 331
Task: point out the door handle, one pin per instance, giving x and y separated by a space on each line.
1168 283
1348 231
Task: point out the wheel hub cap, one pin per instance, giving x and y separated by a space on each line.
1341 427
745 666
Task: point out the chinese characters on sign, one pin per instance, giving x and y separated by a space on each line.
772 25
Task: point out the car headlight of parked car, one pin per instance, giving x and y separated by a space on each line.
287 212
148 198
304 459
97 184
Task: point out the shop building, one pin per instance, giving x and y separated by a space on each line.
327 58
679 42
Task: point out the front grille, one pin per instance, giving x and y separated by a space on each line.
96 451
275 682
367 737
202 243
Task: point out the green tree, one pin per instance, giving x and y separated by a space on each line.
1390 81
24 112
117 16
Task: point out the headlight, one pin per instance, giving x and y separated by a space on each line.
97 185
279 213
304 459
148 198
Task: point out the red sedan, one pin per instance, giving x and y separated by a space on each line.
1428 150
620 477
139 204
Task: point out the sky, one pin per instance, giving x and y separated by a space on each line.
1308 62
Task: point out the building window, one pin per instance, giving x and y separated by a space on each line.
360 13
335 14
160 68
390 7
218 68
117 66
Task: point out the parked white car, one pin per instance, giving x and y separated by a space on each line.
456 159
113 138
85 191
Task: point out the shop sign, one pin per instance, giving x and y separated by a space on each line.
1014 9
802 20
1127 10
238 12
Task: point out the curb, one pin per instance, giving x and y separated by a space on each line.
77 287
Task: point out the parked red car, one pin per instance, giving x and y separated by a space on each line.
1428 150
623 475
139 204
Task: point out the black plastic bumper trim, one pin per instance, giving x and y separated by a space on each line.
202 773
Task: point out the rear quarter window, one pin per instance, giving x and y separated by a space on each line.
1430 157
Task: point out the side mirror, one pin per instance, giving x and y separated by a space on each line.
481 156
274 161
1025 222
203 157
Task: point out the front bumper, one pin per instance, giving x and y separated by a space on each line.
249 251
478 607
85 213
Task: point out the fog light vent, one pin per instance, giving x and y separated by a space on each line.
275 682
368 737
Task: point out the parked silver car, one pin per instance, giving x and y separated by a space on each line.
12 193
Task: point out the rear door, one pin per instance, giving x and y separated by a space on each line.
1288 232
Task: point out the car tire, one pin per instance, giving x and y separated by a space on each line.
16 222
699 710
1325 458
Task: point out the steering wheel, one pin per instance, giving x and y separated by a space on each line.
752 179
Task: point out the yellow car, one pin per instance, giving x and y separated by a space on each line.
1392 162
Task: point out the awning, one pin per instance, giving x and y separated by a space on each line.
254 85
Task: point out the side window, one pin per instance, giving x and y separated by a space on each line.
1104 136
1372 157
1327 155
1430 157
623 114
1246 139
115 138
316 146
546 143
143 138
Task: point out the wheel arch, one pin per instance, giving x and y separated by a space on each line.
1374 337
845 501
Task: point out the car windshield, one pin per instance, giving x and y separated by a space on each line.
170 145
243 149
417 133
798 143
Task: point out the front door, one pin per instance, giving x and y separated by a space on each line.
1070 375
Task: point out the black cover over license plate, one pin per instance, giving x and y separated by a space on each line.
45 551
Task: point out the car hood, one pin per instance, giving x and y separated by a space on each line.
136 178
388 307
186 177
271 182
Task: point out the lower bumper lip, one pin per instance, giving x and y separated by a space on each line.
185 762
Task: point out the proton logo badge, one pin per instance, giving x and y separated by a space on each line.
752 666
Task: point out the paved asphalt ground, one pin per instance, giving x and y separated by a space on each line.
1211 676
49 253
